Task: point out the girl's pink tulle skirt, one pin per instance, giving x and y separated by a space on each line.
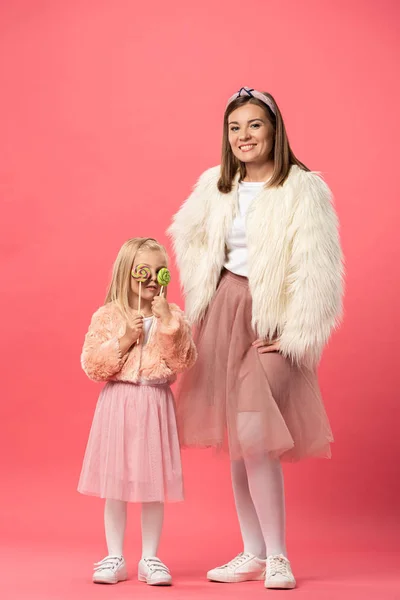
133 450
248 402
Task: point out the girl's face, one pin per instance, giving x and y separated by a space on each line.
154 260
251 134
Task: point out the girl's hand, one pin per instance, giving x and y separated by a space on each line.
161 310
136 330
132 334
264 346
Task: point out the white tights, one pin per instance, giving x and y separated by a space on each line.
115 523
260 504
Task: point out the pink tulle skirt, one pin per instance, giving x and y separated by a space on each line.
238 399
133 450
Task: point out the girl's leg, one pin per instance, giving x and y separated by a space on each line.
114 525
252 535
152 522
265 480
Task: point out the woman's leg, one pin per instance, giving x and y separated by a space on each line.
265 480
252 535
249 565
114 525
152 522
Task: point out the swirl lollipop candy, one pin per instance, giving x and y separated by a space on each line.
141 273
163 279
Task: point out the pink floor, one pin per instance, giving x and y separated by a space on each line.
40 572
50 536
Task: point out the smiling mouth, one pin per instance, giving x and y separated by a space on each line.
247 147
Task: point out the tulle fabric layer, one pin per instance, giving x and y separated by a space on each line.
243 401
133 449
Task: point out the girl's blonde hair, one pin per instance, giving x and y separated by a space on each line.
283 155
120 285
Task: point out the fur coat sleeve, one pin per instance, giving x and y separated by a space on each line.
175 342
197 259
101 356
315 272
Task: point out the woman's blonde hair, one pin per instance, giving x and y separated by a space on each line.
283 155
120 285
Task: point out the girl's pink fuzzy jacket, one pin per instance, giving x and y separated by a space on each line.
169 351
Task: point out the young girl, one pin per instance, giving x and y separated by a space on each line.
133 452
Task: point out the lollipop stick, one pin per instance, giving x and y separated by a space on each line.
153 325
140 297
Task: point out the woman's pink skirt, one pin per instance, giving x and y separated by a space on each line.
133 450
248 402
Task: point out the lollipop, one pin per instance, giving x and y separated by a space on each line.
163 279
142 274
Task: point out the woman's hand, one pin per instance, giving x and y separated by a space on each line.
161 310
264 346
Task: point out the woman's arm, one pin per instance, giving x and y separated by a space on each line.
189 229
190 236
315 282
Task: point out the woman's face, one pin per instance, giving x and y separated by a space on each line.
251 134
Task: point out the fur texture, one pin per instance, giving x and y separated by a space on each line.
295 259
169 351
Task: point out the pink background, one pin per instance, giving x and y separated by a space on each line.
109 111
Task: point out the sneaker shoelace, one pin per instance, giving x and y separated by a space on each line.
109 562
237 561
155 564
278 565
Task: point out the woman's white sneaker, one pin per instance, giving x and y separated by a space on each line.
111 569
279 574
244 567
154 572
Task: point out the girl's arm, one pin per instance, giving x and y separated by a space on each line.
101 354
174 338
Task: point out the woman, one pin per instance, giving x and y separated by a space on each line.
259 255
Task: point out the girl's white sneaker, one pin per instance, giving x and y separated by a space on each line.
111 569
152 571
244 567
279 574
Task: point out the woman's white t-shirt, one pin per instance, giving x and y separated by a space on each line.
237 243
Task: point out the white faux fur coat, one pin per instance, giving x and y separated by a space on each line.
295 259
